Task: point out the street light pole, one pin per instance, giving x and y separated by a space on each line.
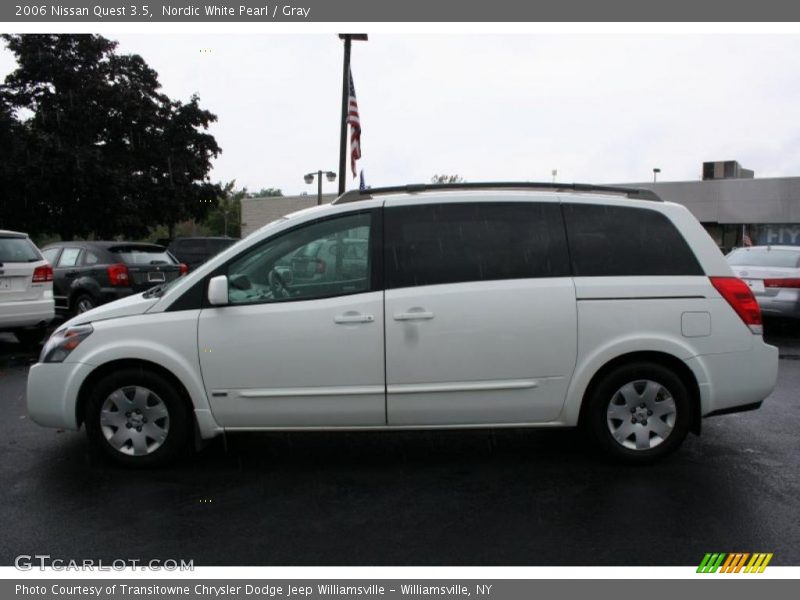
348 38
656 171
309 178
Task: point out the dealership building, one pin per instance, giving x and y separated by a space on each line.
728 200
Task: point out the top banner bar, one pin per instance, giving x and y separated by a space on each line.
243 11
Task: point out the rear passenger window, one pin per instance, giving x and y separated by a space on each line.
451 243
69 257
620 240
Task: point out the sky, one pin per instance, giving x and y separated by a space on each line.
598 108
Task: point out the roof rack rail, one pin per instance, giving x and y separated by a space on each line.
415 188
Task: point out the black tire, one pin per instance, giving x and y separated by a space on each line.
628 414
178 424
30 339
83 302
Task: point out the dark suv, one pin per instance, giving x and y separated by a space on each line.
194 251
87 274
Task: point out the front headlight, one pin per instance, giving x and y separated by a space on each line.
63 342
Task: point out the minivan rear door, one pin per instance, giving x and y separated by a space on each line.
479 311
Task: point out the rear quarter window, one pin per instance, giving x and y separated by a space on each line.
621 240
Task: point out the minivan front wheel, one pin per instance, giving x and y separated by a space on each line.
137 418
640 412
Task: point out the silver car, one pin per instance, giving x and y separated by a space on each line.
773 273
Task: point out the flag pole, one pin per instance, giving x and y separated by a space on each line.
348 38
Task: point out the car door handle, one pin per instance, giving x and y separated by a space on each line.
413 316
353 318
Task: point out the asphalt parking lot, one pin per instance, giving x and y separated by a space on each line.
412 498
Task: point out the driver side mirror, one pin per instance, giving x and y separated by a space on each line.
218 290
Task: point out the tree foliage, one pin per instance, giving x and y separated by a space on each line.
96 148
265 193
225 217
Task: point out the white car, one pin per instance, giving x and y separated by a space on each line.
496 305
773 273
26 288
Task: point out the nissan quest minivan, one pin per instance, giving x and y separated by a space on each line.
432 306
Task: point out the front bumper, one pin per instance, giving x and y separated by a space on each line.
52 393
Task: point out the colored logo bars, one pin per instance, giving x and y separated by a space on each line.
735 562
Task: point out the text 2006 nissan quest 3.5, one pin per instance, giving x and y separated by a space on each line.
431 306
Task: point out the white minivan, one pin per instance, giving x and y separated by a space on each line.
431 306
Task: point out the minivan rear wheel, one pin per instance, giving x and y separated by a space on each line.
640 412
137 418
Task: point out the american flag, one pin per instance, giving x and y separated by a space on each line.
355 127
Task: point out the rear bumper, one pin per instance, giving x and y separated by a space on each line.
735 381
785 304
26 313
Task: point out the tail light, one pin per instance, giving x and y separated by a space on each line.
782 283
42 274
320 268
741 299
184 269
118 274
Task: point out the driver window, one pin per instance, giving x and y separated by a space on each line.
329 258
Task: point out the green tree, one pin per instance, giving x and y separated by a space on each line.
106 151
265 193
182 188
14 210
225 217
